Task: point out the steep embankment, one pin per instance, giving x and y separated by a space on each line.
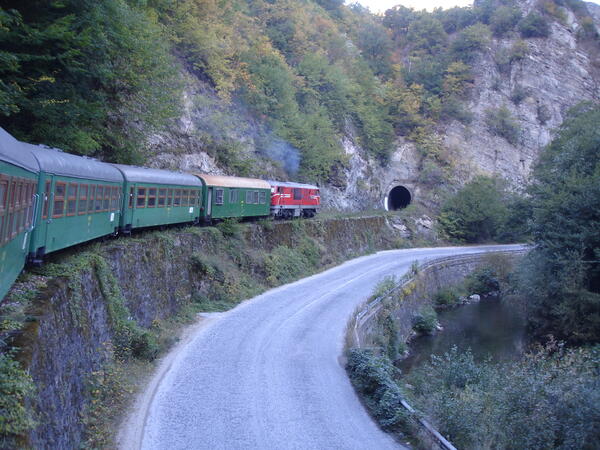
100 311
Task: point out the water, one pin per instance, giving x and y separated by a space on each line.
488 328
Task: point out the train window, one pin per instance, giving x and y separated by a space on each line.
28 203
91 199
141 198
151 197
72 199
106 204
255 197
263 198
3 197
115 198
233 196
58 208
83 196
297 194
185 197
169 197
162 198
280 189
248 197
177 199
219 194
193 197
99 198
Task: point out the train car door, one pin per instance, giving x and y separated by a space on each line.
209 203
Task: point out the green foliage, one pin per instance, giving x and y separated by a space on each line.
470 41
426 34
547 399
477 212
425 322
482 281
501 123
81 73
16 387
561 274
285 264
446 297
534 25
373 377
504 19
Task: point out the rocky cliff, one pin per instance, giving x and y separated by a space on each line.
534 80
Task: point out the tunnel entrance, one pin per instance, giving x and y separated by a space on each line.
398 198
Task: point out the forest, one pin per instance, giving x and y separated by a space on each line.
99 78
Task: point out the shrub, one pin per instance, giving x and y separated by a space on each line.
518 94
504 19
501 123
446 297
534 25
477 212
470 41
425 321
482 281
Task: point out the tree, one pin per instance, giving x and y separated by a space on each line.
478 212
562 273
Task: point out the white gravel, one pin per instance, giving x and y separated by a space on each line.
266 375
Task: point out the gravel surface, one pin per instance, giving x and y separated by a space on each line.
266 375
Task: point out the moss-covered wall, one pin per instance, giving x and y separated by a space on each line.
104 304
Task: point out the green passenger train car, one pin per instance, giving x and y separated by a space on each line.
225 197
80 201
18 185
158 197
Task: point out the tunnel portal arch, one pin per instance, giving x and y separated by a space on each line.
399 197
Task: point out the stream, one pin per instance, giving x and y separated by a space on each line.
489 328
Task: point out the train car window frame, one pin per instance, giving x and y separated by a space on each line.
152 191
59 199
31 208
10 232
297 193
47 193
83 199
169 198
72 194
141 194
249 197
162 197
233 195
263 198
92 199
255 197
106 200
99 198
219 196
114 198
177 198
185 197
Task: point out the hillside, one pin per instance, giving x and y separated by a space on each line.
308 90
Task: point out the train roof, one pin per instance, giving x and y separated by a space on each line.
17 153
146 175
234 182
290 184
57 162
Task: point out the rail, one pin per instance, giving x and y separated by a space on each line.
371 308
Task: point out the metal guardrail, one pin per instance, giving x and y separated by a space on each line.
371 308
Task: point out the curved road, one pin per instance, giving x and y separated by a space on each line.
266 374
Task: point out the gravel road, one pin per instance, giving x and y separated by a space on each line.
266 375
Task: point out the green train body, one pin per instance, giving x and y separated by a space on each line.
51 200
158 197
227 197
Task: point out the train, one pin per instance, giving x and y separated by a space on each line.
51 200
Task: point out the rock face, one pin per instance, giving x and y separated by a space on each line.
550 76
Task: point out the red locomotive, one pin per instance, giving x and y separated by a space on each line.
294 199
